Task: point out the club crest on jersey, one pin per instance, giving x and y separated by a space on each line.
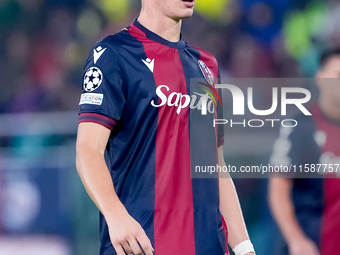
92 79
206 72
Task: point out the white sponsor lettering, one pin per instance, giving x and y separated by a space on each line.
182 101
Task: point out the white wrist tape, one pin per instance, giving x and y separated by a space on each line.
244 248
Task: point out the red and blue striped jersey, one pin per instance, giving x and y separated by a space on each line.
315 141
138 85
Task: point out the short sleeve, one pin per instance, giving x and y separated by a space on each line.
102 100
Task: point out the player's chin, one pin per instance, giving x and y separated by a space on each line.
187 13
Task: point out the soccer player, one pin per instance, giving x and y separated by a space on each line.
307 210
136 152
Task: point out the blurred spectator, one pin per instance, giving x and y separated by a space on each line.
45 41
304 205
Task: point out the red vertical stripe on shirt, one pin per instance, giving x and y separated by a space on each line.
331 220
174 199
174 216
330 234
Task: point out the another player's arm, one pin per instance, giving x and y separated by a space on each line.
125 232
231 209
280 194
282 208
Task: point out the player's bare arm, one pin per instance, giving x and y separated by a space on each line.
126 234
231 209
283 210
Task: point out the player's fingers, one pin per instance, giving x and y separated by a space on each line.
119 249
127 248
145 243
316 251
136 249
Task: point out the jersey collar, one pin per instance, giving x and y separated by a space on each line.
152 36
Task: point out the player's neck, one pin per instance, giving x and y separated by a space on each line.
161 25
332 111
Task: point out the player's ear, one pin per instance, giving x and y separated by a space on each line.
318 74
319 78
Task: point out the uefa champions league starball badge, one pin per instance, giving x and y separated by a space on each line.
92 79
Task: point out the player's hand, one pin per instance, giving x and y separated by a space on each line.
128 236
303 246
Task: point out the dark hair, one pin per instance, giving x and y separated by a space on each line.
327 54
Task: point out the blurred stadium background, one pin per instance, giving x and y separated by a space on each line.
43 48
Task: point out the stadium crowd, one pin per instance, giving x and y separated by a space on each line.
44 43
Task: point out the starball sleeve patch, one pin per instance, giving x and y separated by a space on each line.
92 79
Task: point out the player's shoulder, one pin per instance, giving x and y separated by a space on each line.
107 51
206 60
304 120
307 120
205 55
113 42
305 127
